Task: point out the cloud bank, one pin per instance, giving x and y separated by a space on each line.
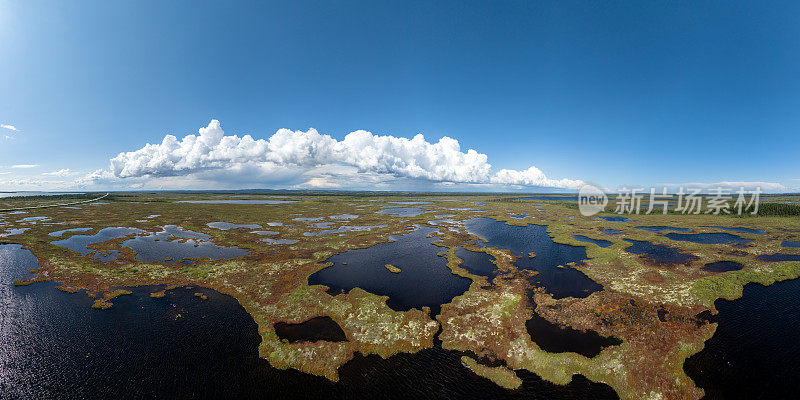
311 159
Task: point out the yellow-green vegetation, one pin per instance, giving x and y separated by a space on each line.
392 268
487 321
502 376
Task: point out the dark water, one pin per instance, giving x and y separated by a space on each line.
609 231
789 243
723 266
740 230
519 216
779 257
754 353
424 279
658 253
54 345
556 339
313 330
708 238
522 240
477 262
662 228
599 242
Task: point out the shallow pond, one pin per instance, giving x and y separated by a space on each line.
60 233
523 240
723 266
615 219
789 243
344 229
424 279
402 211
228 226
279 241
708 238
609 231
553 338
313 330
658 253
79 243
159 248
779 257
740 230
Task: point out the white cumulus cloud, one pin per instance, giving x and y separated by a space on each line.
311 159
9 127
61 172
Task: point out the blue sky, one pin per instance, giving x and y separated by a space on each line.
614 93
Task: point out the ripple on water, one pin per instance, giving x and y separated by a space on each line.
753 353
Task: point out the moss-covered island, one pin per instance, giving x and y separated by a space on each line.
267 246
